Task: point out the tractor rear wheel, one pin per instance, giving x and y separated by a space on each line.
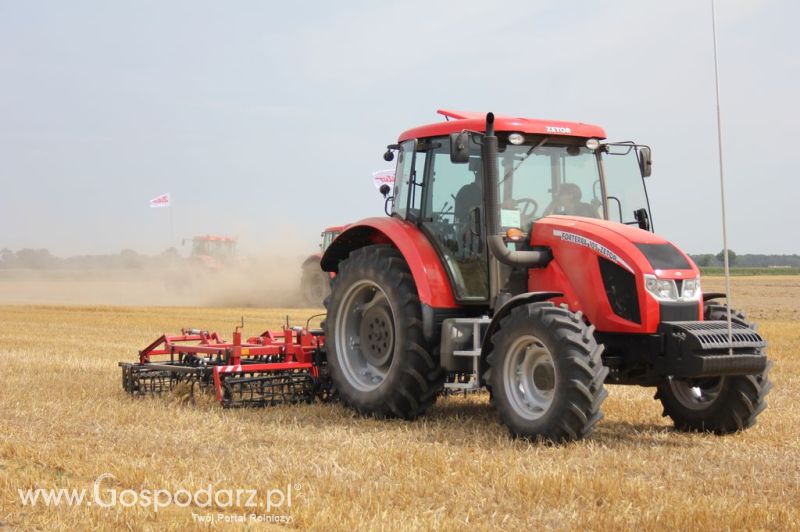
379 361
546 374
315 284
716 404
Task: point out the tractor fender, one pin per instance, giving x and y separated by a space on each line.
430 277
505 310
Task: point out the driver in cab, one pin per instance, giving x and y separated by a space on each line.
568 202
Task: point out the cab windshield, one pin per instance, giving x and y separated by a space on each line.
539 179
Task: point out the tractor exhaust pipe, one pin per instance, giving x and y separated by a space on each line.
494 237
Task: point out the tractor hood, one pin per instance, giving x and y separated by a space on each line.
634 249
603 269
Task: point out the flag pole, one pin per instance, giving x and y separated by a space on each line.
725 259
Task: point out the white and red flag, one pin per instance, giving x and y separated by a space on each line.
161 201
384 177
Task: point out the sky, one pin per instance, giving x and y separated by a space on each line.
265 120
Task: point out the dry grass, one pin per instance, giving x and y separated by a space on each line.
65 420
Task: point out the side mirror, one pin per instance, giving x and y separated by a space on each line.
642 219
389 153
459 147
645 161
385 189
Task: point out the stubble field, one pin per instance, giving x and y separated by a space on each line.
65 421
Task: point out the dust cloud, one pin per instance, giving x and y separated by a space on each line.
252 282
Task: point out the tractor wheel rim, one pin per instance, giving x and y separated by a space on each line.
365 335
530 377
696 395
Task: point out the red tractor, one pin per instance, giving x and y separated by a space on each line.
519 254
315 283
212 251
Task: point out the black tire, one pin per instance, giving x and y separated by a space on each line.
721 404
315 284
394 374
554 399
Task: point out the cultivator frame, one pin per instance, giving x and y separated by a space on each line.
275 367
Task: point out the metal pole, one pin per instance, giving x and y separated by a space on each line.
722 183
171 225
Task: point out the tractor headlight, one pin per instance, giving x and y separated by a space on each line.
667 289
691 290
662 289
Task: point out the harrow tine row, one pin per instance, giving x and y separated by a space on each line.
268 390
138 379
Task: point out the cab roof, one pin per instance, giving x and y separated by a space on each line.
458 121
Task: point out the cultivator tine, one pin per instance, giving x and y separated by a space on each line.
268 390
139 379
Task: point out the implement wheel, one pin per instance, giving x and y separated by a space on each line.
379 361
715 404
546 374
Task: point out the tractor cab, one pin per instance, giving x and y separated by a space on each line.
213 251
440 187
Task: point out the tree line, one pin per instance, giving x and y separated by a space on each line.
42 259
748 260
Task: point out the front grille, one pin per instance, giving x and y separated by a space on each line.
620 285
680 311
713 334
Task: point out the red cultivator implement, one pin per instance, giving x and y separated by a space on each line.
275 367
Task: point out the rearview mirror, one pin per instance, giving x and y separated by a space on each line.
645 161
459 147
642 219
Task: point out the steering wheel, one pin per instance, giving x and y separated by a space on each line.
527 203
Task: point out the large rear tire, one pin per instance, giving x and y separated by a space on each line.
719 404
546 374
379 361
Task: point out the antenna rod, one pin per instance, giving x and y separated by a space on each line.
722 184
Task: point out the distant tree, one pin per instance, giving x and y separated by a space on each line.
731 257
37 259
706 259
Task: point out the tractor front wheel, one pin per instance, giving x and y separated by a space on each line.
715 404
379 361
546 374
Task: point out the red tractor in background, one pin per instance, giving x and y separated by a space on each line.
520 253
315 283
212 251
